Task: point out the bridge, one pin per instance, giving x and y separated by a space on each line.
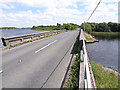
44 63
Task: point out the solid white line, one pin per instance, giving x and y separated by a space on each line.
45 46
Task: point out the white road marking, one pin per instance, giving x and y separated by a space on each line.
1 71
45 46
20 61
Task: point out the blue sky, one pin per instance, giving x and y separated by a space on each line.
26 13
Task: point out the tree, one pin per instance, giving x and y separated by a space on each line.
33 27
102 27
118 30
82 26
58 25
88 28
67 26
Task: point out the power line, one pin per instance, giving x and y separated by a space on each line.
94 10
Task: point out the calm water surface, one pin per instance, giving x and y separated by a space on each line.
105 52
15 32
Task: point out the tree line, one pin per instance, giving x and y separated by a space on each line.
8 28
101 27
67 26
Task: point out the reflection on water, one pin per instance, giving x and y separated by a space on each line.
105 51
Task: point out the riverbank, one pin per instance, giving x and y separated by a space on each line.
104 77
89 38
105 33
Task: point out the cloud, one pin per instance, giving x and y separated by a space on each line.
6 6
38 3
24 18
61 11
49 3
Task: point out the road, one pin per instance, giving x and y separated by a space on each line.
39 64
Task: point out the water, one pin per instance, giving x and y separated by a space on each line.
105 52
15 32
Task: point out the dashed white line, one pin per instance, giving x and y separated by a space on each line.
1 71
20 61
45 46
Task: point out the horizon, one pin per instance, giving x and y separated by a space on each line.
47 25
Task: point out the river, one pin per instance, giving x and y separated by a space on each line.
15 32
105 52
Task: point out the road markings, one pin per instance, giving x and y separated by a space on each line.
0 71
20 61
45 46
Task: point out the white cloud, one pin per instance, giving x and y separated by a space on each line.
49 3
2 5
38 3
57 11
24 18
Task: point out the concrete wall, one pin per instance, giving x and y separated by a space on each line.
14 40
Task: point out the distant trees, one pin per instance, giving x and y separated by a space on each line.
88 27
113 26
67 26
70 26
58 25
33 27
101 27
8 28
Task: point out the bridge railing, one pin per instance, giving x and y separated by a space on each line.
89 81
86 68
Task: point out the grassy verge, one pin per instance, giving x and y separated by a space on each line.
28 41
104 78
88 38
106 33
73 80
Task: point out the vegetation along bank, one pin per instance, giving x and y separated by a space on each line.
67 26
101 27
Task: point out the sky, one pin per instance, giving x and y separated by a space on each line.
26 13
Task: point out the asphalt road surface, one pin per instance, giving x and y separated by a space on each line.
39 64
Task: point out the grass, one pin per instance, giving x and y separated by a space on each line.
88 38
106 33
28 41
103 78
73 76
73 80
